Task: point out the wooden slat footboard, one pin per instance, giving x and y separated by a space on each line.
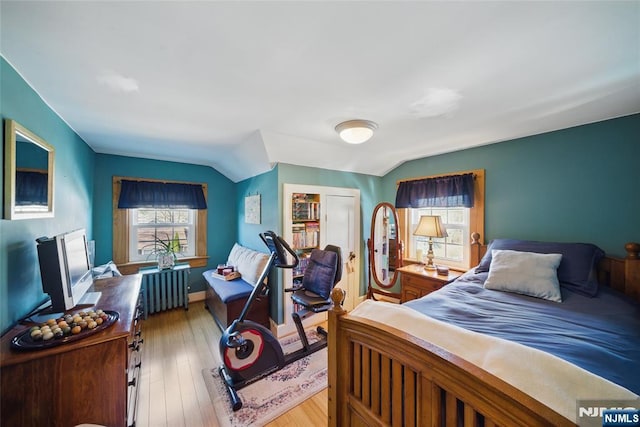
382 376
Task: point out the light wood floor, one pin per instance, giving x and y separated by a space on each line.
178 345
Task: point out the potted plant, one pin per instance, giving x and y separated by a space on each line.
166 251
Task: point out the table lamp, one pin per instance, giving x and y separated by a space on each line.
430 226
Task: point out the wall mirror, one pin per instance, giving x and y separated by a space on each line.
385 251
28 174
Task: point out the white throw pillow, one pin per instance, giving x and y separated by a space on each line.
248 262
525 273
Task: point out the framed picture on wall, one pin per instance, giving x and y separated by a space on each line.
252 209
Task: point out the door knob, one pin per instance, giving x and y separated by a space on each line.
351 256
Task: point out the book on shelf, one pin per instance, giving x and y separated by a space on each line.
305 206
312 233
314 209
306 211
305 235
301 197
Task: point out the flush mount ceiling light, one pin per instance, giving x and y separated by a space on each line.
356 131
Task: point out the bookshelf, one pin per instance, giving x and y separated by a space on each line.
305 227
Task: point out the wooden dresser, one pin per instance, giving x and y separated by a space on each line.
417 282
92 380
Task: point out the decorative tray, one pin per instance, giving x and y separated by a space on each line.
25 341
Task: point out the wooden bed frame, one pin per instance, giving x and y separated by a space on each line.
379 375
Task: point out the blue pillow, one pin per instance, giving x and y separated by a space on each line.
577 270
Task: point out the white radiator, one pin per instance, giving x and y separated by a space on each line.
165 289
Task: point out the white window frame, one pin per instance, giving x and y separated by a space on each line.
414 218
190 251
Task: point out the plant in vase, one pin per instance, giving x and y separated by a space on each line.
166 251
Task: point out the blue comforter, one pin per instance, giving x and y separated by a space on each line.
601 334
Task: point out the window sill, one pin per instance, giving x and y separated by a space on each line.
133 267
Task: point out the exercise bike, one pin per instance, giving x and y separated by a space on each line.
249 351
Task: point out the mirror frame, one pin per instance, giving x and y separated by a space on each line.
372 259
11 129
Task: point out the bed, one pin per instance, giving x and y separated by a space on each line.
392 365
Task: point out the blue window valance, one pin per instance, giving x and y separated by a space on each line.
444 191
153 194
32 188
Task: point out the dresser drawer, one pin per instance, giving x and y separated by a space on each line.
135 343
426 285
416 282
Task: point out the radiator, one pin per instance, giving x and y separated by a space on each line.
165 289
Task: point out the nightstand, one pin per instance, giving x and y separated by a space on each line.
417 282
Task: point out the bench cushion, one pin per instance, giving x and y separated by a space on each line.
228 290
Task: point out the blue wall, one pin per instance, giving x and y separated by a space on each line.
578 184
20 285
266 185
221 213
272 200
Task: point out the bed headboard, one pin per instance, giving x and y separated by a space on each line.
622 274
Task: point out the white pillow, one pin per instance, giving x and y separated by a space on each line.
248 262
525 273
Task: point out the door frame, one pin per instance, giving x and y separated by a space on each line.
288 327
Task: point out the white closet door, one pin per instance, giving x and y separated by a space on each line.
340 229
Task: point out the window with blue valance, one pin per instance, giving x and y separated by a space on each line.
32 188
154 194
443 191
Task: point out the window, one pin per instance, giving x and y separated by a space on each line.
134 228
454 250
176 226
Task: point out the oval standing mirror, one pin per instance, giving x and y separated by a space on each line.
385 251
28 174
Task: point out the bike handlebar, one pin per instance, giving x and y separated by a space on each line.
277 245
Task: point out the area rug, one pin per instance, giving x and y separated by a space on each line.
272 396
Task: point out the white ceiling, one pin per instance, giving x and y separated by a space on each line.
241 86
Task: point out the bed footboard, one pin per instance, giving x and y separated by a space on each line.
379 375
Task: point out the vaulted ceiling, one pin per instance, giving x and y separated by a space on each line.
241 85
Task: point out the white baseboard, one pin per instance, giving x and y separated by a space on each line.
197 296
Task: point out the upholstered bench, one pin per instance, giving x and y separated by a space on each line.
225 299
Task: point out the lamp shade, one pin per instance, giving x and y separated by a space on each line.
430 226
356 131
